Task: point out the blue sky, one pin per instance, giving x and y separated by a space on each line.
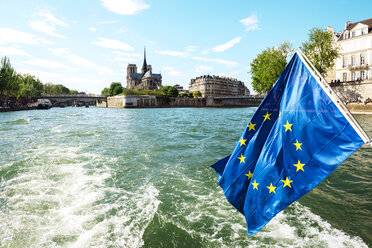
87 44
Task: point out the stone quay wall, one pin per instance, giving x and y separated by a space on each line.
136 101
356 89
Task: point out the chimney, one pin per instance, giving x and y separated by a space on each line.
330 29
347 24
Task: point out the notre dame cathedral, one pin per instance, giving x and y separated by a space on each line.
146 80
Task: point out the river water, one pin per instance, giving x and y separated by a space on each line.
95 177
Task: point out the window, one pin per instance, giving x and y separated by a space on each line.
344 76
353 75
353 60
362 75
353 34
362 60
344 64
346 35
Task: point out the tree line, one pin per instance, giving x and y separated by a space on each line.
13 84
271 62
165 91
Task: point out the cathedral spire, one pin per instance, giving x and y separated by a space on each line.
144 66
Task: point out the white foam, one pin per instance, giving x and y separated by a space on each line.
58 199
295 227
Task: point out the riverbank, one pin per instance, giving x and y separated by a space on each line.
360 108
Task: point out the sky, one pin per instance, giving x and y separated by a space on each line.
87 44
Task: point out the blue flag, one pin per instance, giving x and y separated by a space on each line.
299 134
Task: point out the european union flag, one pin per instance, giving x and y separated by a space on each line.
299 134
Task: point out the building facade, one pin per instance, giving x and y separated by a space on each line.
218 86
355 62
145 80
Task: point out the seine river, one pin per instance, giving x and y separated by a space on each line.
95 177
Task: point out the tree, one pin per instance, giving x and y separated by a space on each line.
169 91
268 65
105 92
9 79
30 86
197 94
321 49
115 88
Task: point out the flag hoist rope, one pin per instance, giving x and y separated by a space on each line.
336 100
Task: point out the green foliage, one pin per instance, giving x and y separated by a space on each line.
105 92
267 67
169 91
30 86
74 92
143 92
321 50
188 95
17 85
197 94
56 89
9 79
116 88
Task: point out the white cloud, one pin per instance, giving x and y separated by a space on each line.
7 51
172 53
251 23
52 19
45 22
44 76
227 63
202 68
125 7
131 55
9 36
227 45
77 60
124 59
229 74
92 29
79 83
171 71
113 44
46 63
191 48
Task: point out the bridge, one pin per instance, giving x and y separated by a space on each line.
74 100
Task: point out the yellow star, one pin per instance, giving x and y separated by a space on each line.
298 145
242 141
241 158
287 182
249 175
251 126
271 188
288 126
255 185
299 166
267 116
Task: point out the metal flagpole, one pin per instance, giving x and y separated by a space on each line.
335 99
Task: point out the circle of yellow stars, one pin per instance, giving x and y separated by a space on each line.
299 166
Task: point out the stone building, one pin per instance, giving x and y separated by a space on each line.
145 80
218 86
355 62
352 76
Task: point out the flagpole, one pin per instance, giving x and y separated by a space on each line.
335 99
